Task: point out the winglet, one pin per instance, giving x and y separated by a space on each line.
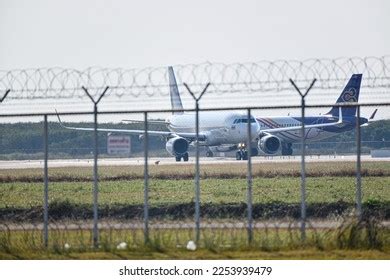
373 114
59 119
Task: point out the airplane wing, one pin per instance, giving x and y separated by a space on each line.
281 129
371 119
188 136
150 122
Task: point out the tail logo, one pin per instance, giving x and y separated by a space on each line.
350 95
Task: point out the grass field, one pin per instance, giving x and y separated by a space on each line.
365 240
169 198
169 254
217 171
219 191
353 240
330 189
276 195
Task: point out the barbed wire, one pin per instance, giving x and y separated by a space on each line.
247 77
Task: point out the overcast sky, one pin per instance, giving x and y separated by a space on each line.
79 34
132 34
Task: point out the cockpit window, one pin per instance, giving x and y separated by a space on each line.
252 120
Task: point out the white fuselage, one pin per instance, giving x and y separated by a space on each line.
220 127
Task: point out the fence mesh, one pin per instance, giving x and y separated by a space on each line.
166 193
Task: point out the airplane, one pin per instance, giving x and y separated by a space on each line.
216 129
285 138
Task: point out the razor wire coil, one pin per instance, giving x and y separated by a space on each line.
262 76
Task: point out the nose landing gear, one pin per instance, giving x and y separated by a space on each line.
184 156
242 155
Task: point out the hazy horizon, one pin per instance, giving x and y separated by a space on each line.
81 34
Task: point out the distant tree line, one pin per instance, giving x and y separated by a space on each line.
374 136
23 140
20 139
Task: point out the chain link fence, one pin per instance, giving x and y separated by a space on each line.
266 202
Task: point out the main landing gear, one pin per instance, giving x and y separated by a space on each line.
184 157
209 153
287 149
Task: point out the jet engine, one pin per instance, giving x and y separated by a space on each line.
269 144
177 146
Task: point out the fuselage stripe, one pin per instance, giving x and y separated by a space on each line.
268 123
284 133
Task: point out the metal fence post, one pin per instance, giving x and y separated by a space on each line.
303 167
358 167
95 178
197 169
46 184
95 233
303 173
249 180
146 180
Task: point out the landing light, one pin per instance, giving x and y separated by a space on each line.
241 145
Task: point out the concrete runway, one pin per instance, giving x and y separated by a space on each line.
24 164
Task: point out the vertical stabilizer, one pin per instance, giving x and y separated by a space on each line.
349 94
174 92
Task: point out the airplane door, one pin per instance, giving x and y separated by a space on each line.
235 132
